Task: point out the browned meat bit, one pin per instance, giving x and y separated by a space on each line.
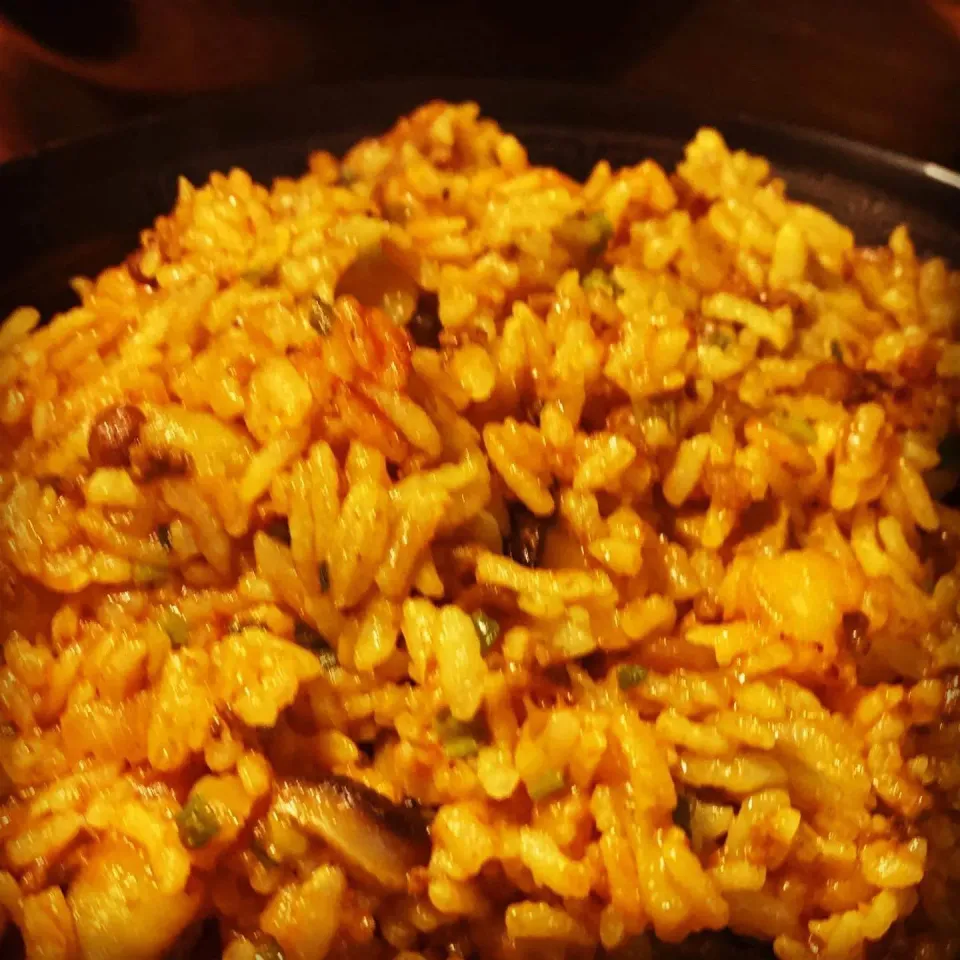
149 464
376 838
525 542
114 431
425 326
278 528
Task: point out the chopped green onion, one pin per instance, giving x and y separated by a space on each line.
174 625
163 535
256 277
796 428
323 573
314 641
630 675
322 316
587 232
460 738
718 338
458 747
145 574
546 785
488 630
197 823
268 949
259 849
599 280
836 351
683 812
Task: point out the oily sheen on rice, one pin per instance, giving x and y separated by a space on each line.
434 557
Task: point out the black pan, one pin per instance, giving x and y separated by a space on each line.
76 208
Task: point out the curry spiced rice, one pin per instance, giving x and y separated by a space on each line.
434 557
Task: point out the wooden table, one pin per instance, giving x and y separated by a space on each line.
883 71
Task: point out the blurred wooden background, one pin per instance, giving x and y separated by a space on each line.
884 71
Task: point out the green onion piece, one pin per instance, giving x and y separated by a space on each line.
321 316
145 574
630 675
488 630
546 785
836 351
460 738
683 812
259 849
255 277
598 280
174 625
459 747
197 823
323 572
587 232
268 949
315 642
796 428
718 338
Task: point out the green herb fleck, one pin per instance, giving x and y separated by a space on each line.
459 747
314 641
683 812
586 232
260 850
197 823
718 337
630 675
174 625
346 178
599 280
836 351
145 574
323 573
460 738
798 429
267 949
322 316
488 630
255 277
163 535
546 785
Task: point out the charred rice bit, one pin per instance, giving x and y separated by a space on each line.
433 556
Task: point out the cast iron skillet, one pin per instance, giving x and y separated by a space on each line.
77 208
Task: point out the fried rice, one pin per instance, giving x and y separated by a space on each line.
434 557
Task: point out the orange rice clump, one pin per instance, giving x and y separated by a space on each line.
435 557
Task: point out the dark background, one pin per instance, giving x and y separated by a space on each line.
883 71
